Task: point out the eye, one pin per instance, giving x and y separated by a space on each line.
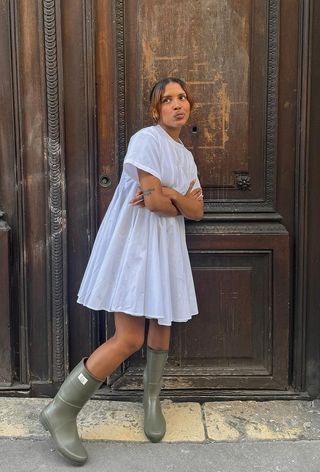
183 97
165 100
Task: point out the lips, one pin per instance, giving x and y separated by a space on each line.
179 115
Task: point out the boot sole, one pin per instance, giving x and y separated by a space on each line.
46 425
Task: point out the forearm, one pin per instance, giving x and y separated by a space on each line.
188 207
151 194
164 207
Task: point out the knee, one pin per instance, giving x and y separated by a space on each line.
131 343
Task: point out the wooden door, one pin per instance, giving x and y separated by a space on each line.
228 52
76 76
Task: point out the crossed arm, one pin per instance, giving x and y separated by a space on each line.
166 201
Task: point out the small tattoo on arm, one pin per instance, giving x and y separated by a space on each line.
148 191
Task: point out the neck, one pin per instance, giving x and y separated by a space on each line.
173 132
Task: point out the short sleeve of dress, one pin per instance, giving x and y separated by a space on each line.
195 176
197 183
143 153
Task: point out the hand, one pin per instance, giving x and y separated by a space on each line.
195 194
190 188
138 199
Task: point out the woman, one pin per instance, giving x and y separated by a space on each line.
139 267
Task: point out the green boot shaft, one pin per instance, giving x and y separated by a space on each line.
154 421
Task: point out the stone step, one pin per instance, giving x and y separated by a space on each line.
232 421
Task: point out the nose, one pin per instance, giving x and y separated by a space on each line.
176 104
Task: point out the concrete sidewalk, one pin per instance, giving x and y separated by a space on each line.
236 436
280 456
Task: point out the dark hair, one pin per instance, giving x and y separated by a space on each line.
157 93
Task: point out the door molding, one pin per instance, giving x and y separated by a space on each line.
57 215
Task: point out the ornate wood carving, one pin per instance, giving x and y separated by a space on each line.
235 228
122 142
57 211
272 100
243 181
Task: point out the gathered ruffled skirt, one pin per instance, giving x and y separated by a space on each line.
139 263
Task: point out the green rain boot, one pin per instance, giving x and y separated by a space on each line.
59 417
154 422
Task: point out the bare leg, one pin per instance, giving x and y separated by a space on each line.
158 336
128 338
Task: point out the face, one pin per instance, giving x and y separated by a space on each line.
174 107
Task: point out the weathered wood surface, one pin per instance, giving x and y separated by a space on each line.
220 49
76 76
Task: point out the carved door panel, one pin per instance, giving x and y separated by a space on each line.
228 52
